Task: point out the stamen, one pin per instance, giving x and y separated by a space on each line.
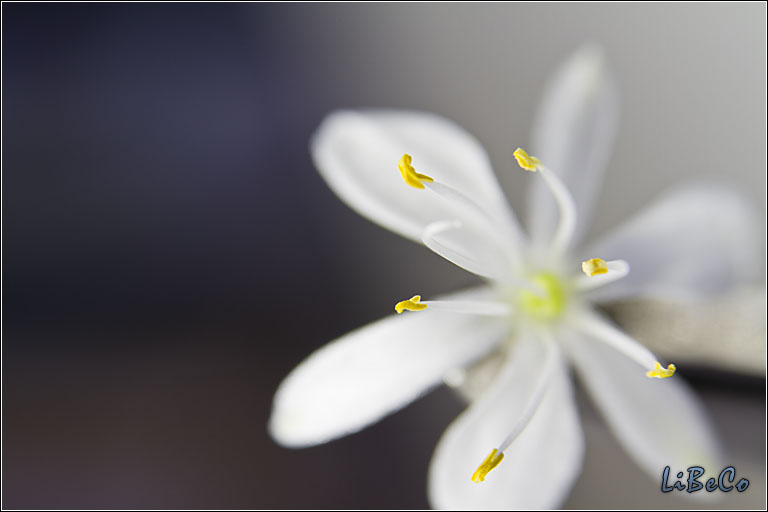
659 372
605 332
600 273
410 175
485 308
412 304
526 161
469 307
545 377
594 267
490 462
567 224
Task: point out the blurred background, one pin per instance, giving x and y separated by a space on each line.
170 253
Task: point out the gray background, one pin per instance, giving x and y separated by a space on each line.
169 253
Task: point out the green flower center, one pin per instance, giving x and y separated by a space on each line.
547 303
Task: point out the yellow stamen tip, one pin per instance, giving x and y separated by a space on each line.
594 267
659 372
409 174
490 462
526 161
411 304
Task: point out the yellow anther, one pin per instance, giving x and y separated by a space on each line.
490 462
594 267
411 304
659 372
526 161
410 175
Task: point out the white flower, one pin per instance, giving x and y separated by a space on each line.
536 309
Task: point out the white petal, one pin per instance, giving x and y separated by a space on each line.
659 422
573 135
695 240
377 369
470 248
593 326
539 467
357 153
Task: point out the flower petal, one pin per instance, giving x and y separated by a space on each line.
357 154
470 248
368 373
659 422
540 465
693 241
573 135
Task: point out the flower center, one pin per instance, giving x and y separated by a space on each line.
546 304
